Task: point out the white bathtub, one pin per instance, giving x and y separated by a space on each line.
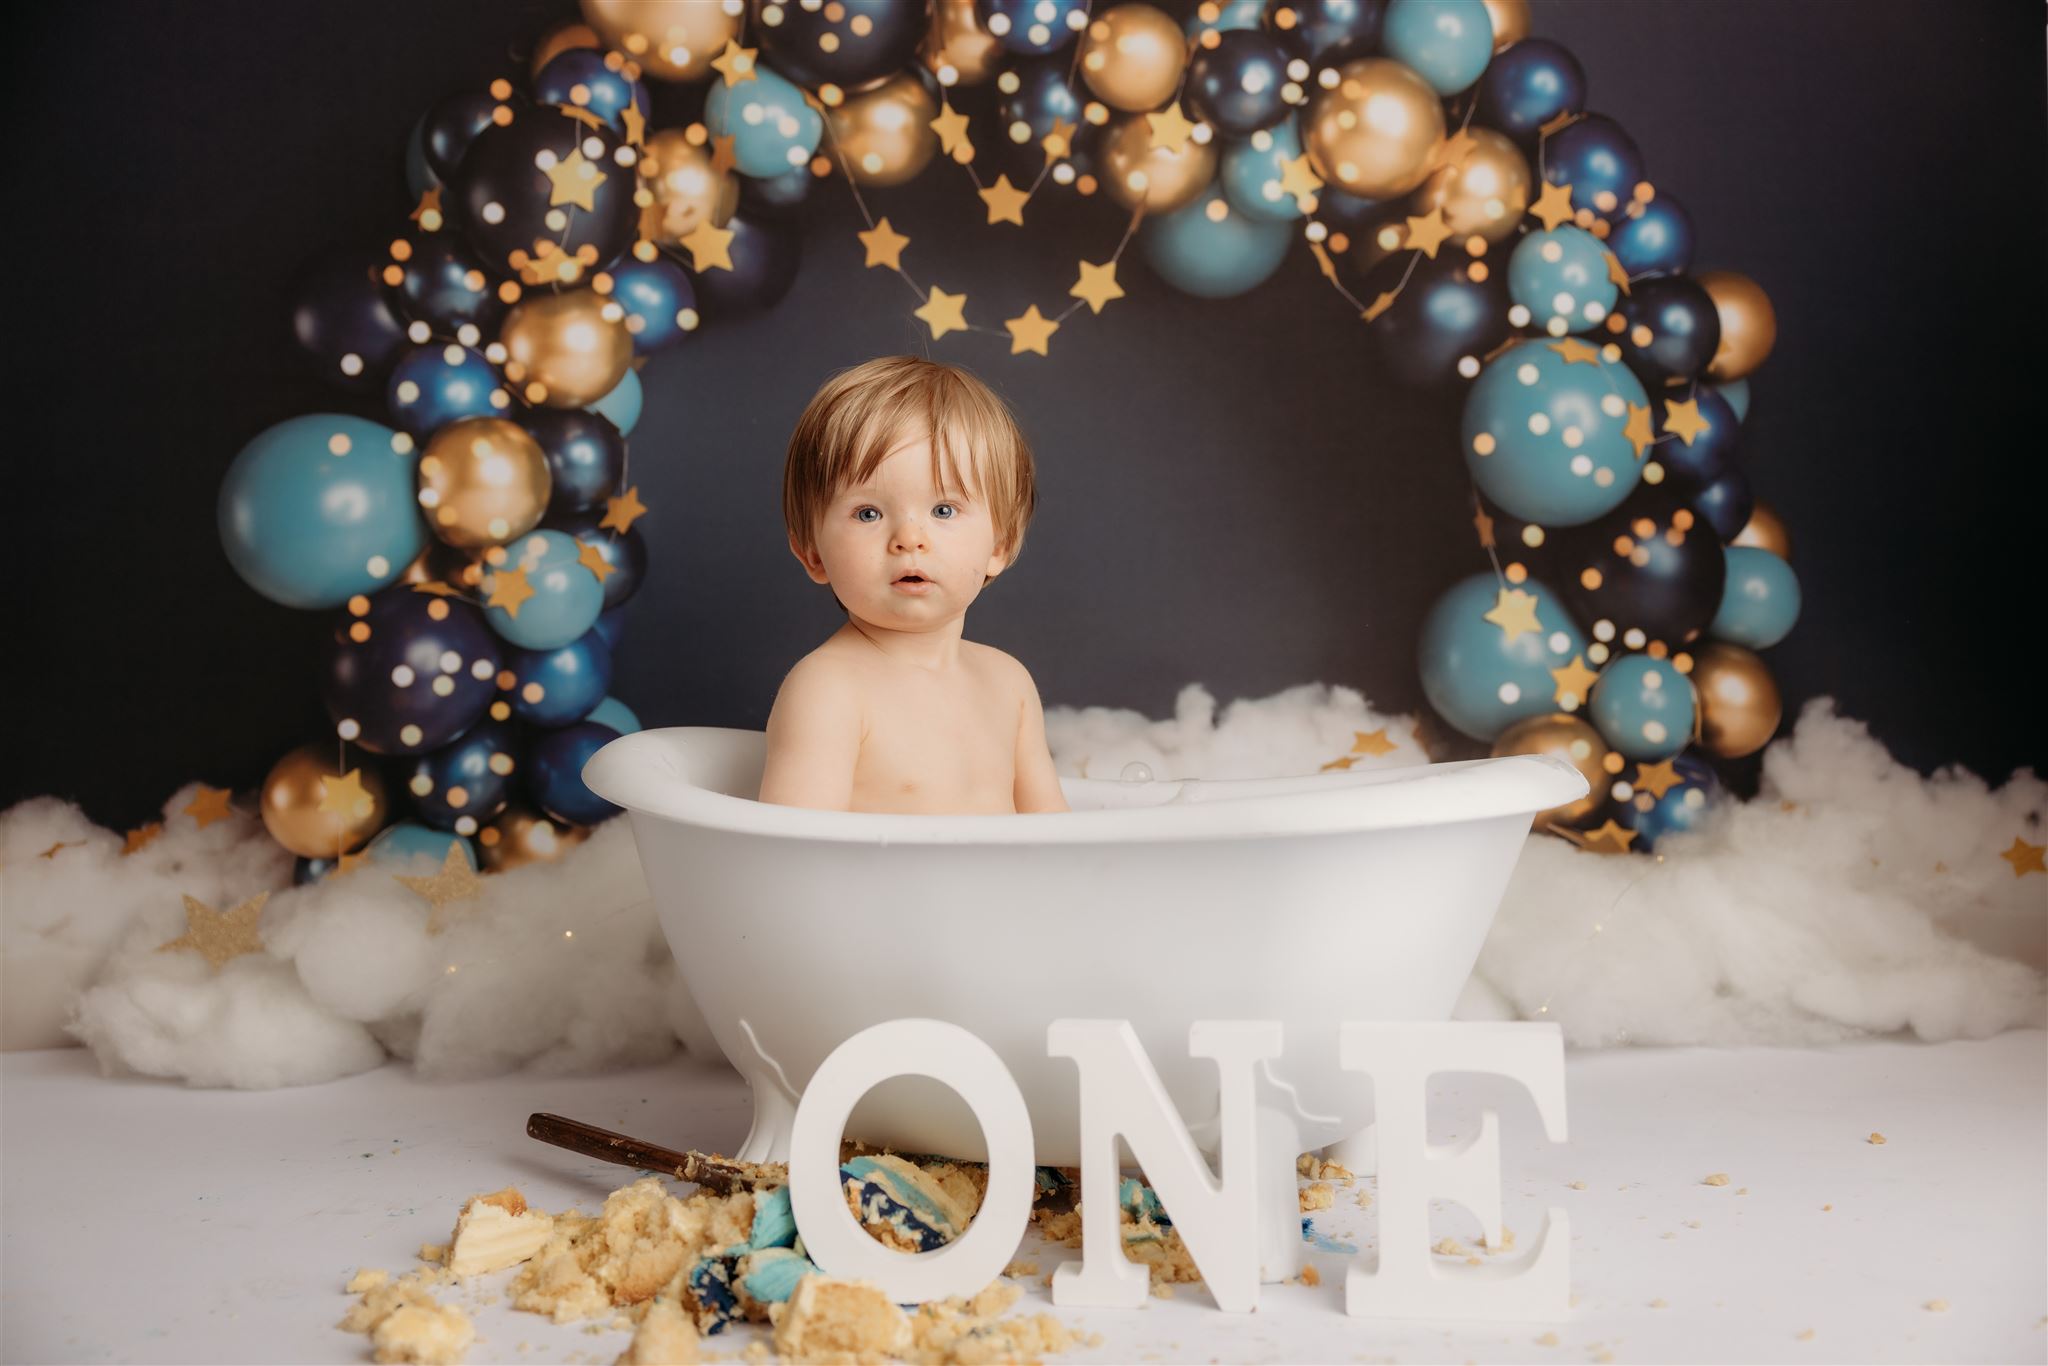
1310 900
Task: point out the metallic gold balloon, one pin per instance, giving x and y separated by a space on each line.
1749 325
1377 132
672 40
957 41
563 37
1766 530
483 481
441 562
1510 22
1568 738
520 835
686 190
1739 703
291 804
1161 178
565 350
1485 194
1132 57
885 132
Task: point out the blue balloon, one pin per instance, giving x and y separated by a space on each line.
1441 320
443 284
466 782
1561 277
772 128
405 672
1225 17
1680 808
607 92
782 196
1597 158
321 507
1547 437
1236 83
419 176
345 318
1448 42
612 626
1644 707
586 456
566 596
766 254
1528 85
1759 601
1213 258
441 382
1673 329
616 714
1326 32
1690 465
622 405
1654 238
555 687
554 772
1031 96
661 308
451 125
1033 27
1726 503
623 552
1477 676
1252 171
849 43
1736 391
409 844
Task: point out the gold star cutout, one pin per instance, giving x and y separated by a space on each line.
58 847
1170 128
1574 680
1374 742
885 245
345 797
1658 778
549 265
1684 419
437 588
2026 858
1059 142
951 126
1299 179
736 63
142 835
709 247
1553 206
1456 148
1427 233
1515 612
1575 351
508 589
587 117
1609 838
430 203
724 155
1561 120
1381 304
591 558
635 121
944 312
1005 202
621 512
574 180
1346 762
209 806
1638 429
455 882
1617 272
219 936
1484 525
1030 332
1097 285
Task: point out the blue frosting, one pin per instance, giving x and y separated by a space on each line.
1323 1241
770 1275
711 1283
1141 1202
774 1222
876 1198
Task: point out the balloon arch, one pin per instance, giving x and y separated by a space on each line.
1501 244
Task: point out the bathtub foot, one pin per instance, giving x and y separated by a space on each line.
1360 1152
774 1105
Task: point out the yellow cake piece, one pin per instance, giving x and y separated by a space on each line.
666 1337
495 1231
829 1319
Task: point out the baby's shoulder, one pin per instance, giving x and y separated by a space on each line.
998 667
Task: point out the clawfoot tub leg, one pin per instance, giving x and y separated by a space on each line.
774 1105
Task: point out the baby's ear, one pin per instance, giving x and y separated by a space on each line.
809 559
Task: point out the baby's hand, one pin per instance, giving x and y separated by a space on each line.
814 733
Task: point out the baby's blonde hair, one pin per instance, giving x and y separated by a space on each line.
862 413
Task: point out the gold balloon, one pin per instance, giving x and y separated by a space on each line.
1132 57
957 40
1510 22
1739 703
519 836
1486 194
673 40
483 480
885 132
1161 178
563 37
1377 132
1749 325
565 350
1766 530
291 804
685 190
1572 740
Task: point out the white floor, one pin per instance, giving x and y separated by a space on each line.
148 1223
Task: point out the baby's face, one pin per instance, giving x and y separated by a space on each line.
900 523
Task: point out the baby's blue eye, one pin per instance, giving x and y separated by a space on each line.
862 513
946 508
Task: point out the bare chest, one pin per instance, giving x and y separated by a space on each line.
944 746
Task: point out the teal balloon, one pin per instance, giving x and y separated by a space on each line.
1213 259
1475 676
1561 277
622 404
1448 42
1546 438
1736 391
410 844
320 508
616 714
773 130
1759 599
1230 14
1643 707
566 594
1252 169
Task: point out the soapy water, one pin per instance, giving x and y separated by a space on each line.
1136 771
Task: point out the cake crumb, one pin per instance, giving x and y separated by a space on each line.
1472 1261
1658 1303
495 1231
1806 1336
433 1253
1717 1179
1744 1190
1578 1185
1311 1276
1448 1246
1162 1290
1547 1340
406 1324
1876 1138
1692 1223
1667 1234
1021 1269
1364 1198
667 1336
832 1319
1938 1306
367 1278
1318 1196
1825 1208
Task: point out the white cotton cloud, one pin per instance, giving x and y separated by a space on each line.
1299 730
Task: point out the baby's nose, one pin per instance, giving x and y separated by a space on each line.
910 534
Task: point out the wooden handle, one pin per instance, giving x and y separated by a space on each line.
711 1172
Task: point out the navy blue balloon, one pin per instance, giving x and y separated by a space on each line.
586 456
451 125
443 284
403 672
1726 504
789 195
346 318
439 383
1653 564
625 551
1032 27
608 93
308 870
1439 319
1358 217
554 772
1654 238
1235 85
506 198
612 626
466 782
1681 808
765 258
1598 159
1683 329
1041 99
1328 32
661 307
1690 467
1527 86
849 43
554 687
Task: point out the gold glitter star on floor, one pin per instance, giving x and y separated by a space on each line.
574 181
1427 233
709 247
1553 206
210 805
219 937
885 245
1638 430
736 63
1097 285
591 558
456 881
944 312
1658 778
1170 128
1684 419
1373 742
1514 612
509 590
1030 332
621 512
951 126
1005 202
345 797
2026 858
1574 681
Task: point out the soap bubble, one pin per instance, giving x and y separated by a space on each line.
1136 771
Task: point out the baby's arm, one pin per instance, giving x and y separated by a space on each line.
1038 783
814 735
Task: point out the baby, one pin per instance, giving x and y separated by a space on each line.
895 711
